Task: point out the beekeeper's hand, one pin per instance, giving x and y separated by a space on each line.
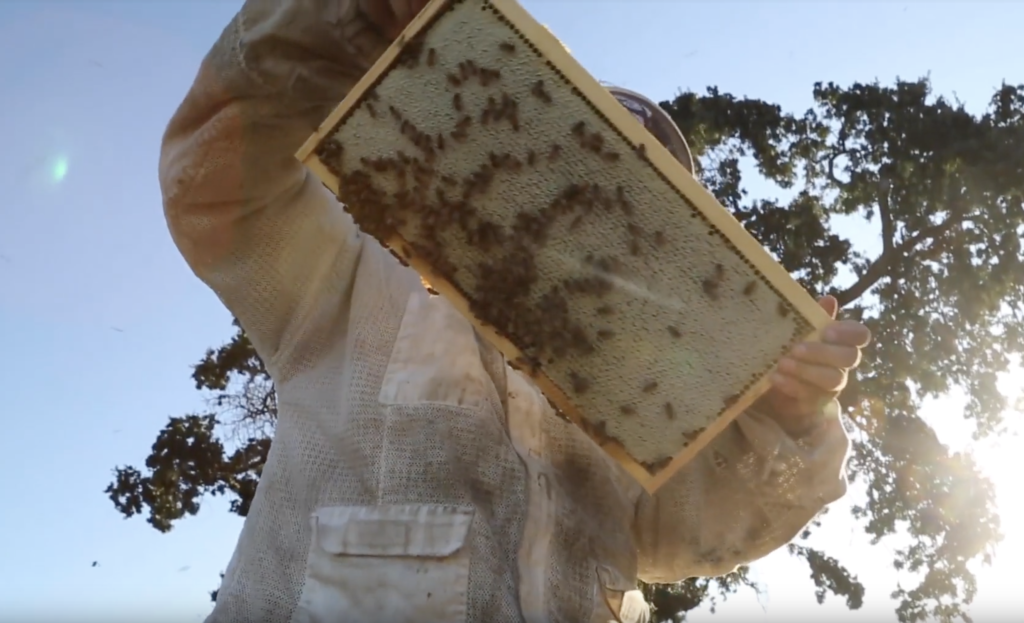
813 374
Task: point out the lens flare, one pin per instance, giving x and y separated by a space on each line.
60 169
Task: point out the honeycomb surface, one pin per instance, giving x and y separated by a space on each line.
476 155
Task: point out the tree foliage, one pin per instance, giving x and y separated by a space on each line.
940 285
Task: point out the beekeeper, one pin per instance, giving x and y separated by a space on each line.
413 475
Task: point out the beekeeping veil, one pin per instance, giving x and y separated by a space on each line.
657 122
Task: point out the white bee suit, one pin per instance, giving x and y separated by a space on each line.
413 475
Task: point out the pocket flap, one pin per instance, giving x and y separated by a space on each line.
420 530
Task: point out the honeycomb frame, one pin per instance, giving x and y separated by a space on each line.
807 316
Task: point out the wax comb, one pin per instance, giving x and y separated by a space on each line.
479 152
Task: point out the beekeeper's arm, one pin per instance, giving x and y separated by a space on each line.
250 220
748 493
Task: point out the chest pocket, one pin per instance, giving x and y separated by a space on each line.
436 358
400 564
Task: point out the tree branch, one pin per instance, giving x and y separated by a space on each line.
885 215
884 209
880 267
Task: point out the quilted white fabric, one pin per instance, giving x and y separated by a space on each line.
414 476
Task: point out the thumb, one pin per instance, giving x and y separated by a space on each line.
830 305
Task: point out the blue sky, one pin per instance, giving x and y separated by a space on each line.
100 319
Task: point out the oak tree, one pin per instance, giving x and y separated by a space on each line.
944 190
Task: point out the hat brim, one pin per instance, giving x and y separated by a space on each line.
657 122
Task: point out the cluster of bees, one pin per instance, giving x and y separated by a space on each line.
424 203
599 431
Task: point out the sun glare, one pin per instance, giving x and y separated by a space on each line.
1002 461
